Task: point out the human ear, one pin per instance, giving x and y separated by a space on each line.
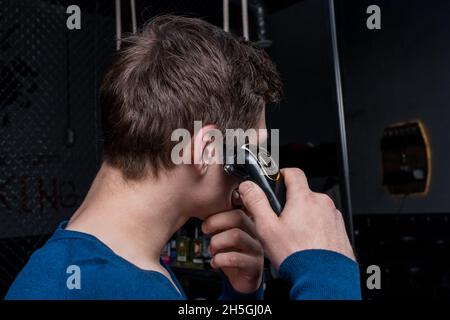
207 148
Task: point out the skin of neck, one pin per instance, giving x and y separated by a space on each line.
137 218
134 219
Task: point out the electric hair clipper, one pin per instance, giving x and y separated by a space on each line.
261 169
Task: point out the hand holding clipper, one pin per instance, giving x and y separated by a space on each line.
258 168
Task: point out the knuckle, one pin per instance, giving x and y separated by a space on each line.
240 217
213 244
322 200
339 216
236 235
297 173
327 201
233 260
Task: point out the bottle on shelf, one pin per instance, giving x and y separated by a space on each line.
197 252
165 253
183 245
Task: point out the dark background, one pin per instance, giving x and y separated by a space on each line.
49 79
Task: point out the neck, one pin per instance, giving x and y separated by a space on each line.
134 219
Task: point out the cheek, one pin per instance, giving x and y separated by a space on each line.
225 186
219 191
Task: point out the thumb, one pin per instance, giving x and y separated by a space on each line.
256 203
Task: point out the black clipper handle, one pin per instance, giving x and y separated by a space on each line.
253 169
275 191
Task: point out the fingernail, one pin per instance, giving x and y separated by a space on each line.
235 194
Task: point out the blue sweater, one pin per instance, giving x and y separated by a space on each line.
50 272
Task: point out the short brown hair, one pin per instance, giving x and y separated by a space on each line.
178 70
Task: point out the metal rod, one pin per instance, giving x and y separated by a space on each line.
133 15
244 5
345 176
226 15
118 23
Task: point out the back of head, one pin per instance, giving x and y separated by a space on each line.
176 71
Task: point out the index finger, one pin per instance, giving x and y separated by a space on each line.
228 220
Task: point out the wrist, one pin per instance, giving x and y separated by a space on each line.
249 286
230 292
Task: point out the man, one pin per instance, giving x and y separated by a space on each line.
177 71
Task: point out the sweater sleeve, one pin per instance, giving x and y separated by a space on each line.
321 275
